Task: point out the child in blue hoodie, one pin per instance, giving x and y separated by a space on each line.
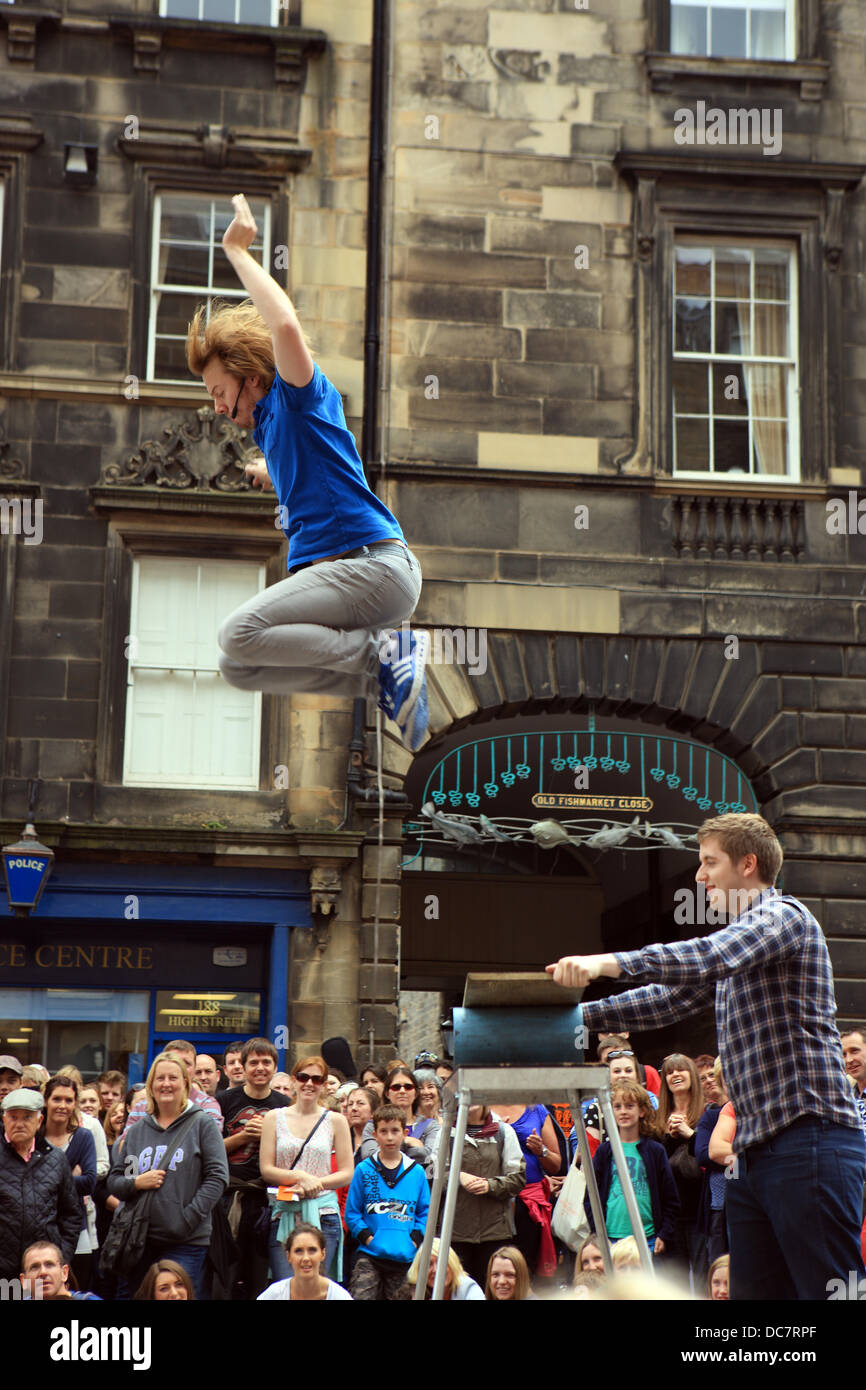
386 1210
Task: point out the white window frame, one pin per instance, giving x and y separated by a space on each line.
196 293
791 361
165 11
750 6
135 663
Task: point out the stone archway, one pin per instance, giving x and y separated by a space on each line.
743 697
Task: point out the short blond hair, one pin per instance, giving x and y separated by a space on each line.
740 833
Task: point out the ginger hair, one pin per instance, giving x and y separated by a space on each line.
237 335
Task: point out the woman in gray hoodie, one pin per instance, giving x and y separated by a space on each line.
174 1152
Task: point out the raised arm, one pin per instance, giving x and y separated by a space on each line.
291 354
772 934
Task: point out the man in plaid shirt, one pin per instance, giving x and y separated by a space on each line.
794 1210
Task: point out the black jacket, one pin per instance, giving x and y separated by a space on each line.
38 1201
663 1190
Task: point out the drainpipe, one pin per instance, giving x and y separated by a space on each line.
379 107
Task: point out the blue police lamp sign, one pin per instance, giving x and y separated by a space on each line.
27 866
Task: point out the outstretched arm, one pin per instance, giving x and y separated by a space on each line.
291 354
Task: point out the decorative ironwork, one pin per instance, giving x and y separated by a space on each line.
713 782
209 456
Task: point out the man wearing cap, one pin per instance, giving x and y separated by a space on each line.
11 1072
38 1200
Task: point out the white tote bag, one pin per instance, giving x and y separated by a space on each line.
569 1222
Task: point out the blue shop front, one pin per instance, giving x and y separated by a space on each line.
119 959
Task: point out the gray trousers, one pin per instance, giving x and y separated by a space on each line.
320 629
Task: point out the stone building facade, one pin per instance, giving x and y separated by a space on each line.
546 219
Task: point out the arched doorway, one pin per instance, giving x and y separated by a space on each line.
547 834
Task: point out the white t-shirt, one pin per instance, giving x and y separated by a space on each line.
281 1290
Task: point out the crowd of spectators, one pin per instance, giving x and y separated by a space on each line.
224 1179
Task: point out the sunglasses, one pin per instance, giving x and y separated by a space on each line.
305 1079
611 1056
401 1086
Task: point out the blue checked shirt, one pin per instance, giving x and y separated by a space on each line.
769 976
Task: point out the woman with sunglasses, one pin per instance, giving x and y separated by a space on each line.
296 1149
422 1131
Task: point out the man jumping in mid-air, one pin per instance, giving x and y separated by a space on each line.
351 574
794 1208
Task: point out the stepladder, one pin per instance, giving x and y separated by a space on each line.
528 1085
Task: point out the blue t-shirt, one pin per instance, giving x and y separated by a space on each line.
317 472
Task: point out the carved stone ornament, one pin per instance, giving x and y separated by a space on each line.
520 63
833 227
209 455
215 140
325 888
9 467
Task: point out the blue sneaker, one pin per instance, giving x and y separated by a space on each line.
405 679
415 728
387 689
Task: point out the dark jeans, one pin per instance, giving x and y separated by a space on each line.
475 1256
189 1257
280 1267
717 1240
794 1212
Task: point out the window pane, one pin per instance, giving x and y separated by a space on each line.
766 385
729 392
185 219
692 446
693 270
771 330
255 12
771 275
174 313
768 34
169 361
732 273
692 325
688 29
182 9
732 328
690 388
224 273
94 1030
183 263
730 446
727 33
771 446
221 11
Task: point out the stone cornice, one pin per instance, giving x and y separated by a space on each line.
668 71
169 844
679 165
101 389
214 147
